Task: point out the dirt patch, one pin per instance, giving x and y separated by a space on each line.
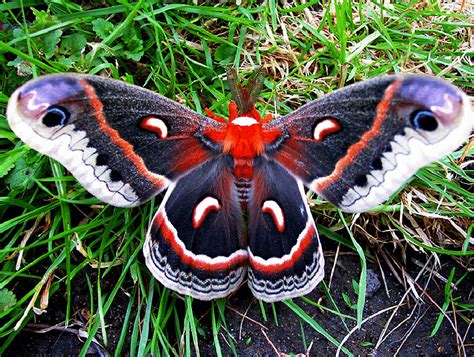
415 321
46 334
249 334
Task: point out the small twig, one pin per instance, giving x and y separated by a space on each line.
383 336
43 328
334 265
391 267
445 315
456 324
31 304
436 274
270 342
410 281
309 349
229 334
225 340
405 275
400 324
79 332
383 276
248 318
467 330
25 239
242 321
410 331
356 328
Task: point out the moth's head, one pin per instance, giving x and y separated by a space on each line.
434 108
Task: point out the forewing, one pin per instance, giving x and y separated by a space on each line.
285 255
196 243
123 143
359 144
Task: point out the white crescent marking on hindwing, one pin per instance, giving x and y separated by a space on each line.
275 211
202 209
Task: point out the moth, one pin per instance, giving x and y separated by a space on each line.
235 204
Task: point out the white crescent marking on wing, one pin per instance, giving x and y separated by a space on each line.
275 211
201 210
158 125
324 128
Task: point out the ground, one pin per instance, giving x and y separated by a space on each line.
405 330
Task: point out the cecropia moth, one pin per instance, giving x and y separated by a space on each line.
235 200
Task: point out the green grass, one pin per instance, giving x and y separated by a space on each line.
181 50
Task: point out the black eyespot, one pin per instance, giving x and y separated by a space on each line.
424 120
55 116
376 164
361 180
115 176
101 160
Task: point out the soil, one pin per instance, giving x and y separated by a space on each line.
407 333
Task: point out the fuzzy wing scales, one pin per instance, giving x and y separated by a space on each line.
285 255
196 243
358 145
123 143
